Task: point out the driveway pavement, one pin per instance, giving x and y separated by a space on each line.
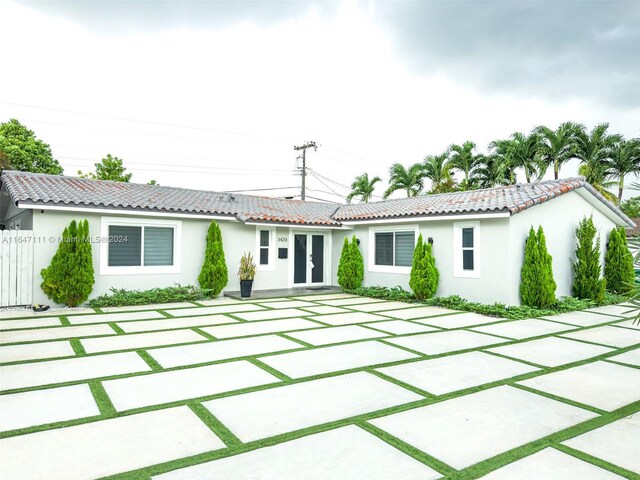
318 387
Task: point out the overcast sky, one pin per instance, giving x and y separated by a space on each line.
215 94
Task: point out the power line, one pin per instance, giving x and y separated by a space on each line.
260 189
322 182
150 122
173 170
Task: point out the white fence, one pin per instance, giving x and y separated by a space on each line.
16 267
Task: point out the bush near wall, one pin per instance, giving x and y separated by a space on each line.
424 276
618 263
587 283
69 278
514 312
351 266
214 275
537 287
120 297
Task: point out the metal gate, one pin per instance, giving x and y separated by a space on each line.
16 267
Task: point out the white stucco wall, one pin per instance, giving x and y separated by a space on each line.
502 248
237 238
494 245
559 219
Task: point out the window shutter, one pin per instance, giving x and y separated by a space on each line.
125 244
158 246
384 249
405 244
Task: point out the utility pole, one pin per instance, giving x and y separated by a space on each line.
303 171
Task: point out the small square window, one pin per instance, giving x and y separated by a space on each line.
264 238
467 259
467 238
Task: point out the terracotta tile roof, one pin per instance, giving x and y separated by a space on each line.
510 199
40 189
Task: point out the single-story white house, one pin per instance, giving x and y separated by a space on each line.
478 236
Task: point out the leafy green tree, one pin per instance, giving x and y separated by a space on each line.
491 171
214 275
351 266
586 269
20 149
631 207
424 276
109 168
558 146
618 263
464 159
69 278
363 187
437 169
410 180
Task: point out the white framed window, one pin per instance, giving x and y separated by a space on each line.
391 248
265 248
133 246
466 249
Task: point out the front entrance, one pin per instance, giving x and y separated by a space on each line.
308 259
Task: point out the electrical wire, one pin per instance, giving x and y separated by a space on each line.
150 122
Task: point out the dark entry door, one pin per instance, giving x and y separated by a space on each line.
300 258
317 258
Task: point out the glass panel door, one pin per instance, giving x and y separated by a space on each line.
300 258
317 258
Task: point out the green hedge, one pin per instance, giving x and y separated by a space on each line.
563 305
120 297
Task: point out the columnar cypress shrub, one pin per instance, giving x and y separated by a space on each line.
530 273
69 278
424 276
547 295
351 266
586 269
214 275
618 263
537 286
358 264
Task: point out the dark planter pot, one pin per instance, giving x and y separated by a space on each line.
245 288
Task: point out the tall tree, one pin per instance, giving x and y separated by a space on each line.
363 187
491 171
411 179
464 159
586 269
594 149
624 160
520 151
557 146
595 175
109 168
20 149
437 169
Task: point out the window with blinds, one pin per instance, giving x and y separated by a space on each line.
133 246
394 248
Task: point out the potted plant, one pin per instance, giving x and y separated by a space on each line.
246 273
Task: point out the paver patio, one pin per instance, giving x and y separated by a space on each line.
294 388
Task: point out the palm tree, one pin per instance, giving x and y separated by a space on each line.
491 171
595 175
363 187
624 159
410 180
594 150
464 159
437 169
519 151
557 146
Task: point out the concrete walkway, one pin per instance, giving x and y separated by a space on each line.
317 387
